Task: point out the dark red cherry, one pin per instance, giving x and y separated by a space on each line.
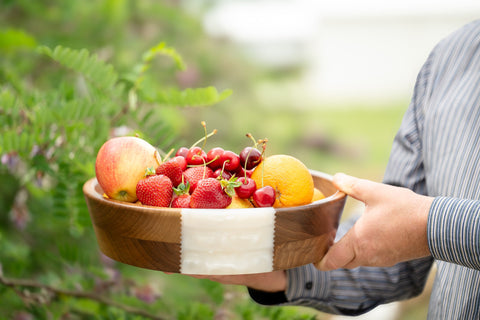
264 197
225 174
246 188
250 157
242 173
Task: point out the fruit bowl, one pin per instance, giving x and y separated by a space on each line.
216 241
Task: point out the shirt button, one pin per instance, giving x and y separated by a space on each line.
309 285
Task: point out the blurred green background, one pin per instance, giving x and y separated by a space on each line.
56 110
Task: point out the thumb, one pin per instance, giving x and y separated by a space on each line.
340 255
354 187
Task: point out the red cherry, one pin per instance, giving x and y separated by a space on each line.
215 153
264 197
182 162
246 188
250 157
241 172
196 156
231 159
183 151
225 174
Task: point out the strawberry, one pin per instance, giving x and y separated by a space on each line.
194 174
172 170
155 190
210 193
181 198
181 201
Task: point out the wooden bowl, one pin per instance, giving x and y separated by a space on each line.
216 241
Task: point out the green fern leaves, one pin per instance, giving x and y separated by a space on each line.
101 74
192 97
149 55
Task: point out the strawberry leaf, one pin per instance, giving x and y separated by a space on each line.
182 188
230 185
150 172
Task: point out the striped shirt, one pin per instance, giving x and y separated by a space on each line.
436 152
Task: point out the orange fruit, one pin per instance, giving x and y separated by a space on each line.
317 195
290 178
238 203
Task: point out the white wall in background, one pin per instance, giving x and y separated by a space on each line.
371 49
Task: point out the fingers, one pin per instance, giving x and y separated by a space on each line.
360 189
340 255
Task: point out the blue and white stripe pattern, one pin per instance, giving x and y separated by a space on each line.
436 152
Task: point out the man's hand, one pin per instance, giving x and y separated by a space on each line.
269 281
392 229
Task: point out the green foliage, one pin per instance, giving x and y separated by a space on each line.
50 136
100 74
72 75
192 97
12 39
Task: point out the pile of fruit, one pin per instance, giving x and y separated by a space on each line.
130 169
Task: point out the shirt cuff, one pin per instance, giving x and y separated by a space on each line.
307 283
453 231
304 285
267 298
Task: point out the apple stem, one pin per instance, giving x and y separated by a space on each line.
157 157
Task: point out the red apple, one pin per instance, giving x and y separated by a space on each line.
121 162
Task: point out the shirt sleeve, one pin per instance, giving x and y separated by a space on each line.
356 291
453 231
348 292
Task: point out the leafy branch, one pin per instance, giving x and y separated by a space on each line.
103 75
52 129
48 293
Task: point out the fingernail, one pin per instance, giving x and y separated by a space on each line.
339 178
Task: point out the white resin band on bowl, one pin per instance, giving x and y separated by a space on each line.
227 241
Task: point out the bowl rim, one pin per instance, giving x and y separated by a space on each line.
89 190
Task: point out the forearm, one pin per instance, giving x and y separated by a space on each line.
349 292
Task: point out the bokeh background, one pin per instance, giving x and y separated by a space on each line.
324 81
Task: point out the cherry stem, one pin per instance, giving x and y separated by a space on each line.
168 155
249 135
205 133
204 169
204 139
255 144
264 147
204 163
223 168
